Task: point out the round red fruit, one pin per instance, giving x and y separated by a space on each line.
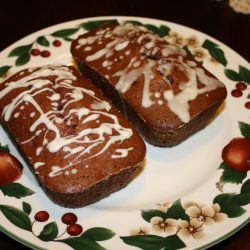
57 43
69 218
74 229
35 52
10 168
247 105
236 93
45 53
236 154
241 86
41 216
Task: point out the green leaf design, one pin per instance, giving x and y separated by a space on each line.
4 70
42 40
232 75
21 50
173 242
26 208
98 234
133 22
16 216
163 30
16 190
244 129
95 24
244 74
248 96
245 188
151 27
145 242
147 215
241 199
68 39
4 148
227 205
49 232
65 32
80 243
215 51
22 59
176 211
230 175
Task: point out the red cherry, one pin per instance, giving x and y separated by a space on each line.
241 86
41 216
69 218
10 168
74 229
236 154
247 105
35 52
236 93
45 53
57 43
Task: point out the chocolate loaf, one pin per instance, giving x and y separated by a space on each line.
158 87
78 145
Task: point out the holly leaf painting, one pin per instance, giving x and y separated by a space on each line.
147 215
21 50
215 51
176 211
244 129
229 205
96 24
79 243
145 242
16 190
65 32
243 74
4 148
230 175
173 242
49 232
98 234
16 216
42 40
26 208
4 70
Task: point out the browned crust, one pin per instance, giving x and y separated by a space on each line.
95 192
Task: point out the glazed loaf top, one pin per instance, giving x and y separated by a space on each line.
165 86
70 134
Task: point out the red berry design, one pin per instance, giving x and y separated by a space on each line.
41 216
247 105
69 218
35 52
10 168
236 93
74 229
57 43
236 154
45 53
241 86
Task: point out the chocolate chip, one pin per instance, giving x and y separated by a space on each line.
170 79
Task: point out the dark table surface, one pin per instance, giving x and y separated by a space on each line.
215 18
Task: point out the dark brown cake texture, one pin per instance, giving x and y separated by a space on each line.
162 90
78 145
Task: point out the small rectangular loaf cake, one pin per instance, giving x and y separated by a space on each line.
162 90
78 145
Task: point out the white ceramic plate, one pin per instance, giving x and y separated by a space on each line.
181 197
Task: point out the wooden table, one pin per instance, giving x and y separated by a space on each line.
215 18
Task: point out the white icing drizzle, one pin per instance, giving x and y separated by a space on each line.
85 141
121 152
38 164
155 54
